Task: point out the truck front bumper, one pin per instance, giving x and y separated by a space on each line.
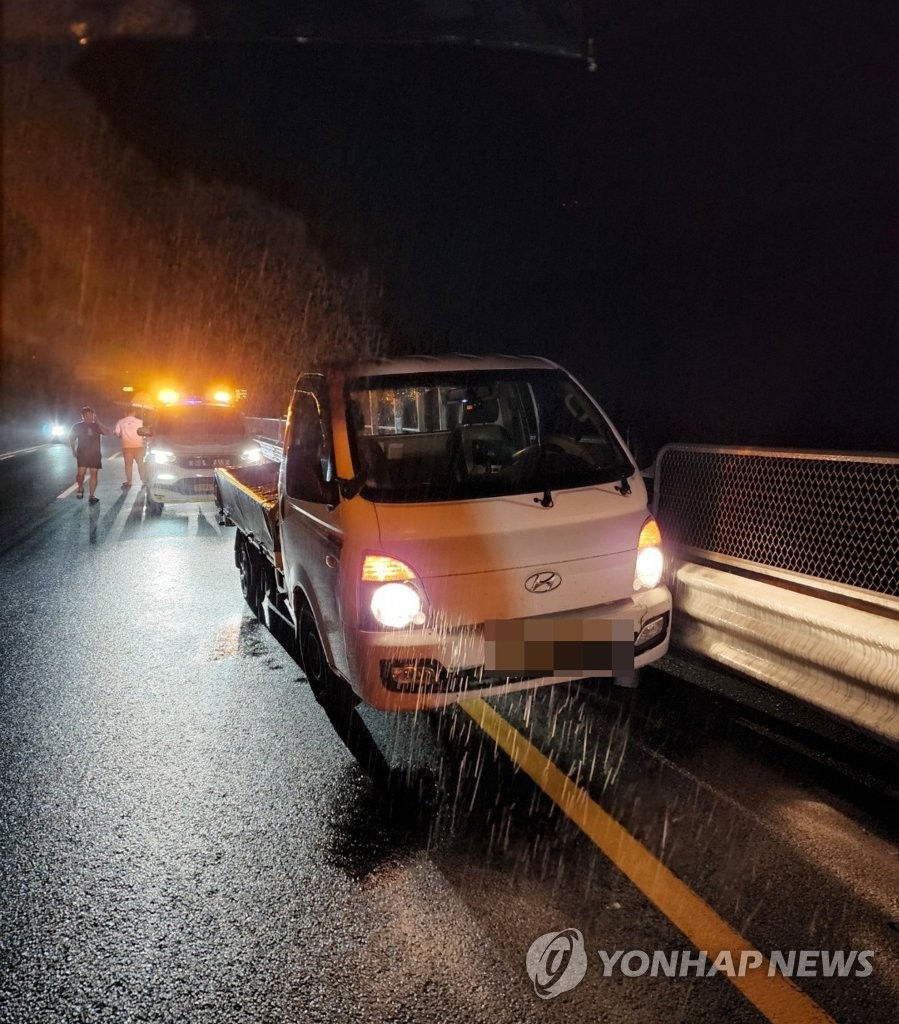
423 668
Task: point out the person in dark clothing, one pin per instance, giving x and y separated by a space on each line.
85 441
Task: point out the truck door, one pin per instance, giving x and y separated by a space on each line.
311 534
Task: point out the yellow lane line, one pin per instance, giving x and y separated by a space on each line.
775 996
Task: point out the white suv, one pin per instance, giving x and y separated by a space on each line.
186 444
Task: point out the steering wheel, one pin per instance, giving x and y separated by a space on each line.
557 445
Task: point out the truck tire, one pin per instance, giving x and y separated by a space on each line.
329 689
312 655
249 573
334 695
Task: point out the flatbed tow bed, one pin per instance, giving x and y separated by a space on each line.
248 499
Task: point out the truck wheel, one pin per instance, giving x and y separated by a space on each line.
329 690
248 574
334 695
312 654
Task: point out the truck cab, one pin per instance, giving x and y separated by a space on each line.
461 525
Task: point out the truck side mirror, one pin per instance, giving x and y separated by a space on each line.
145 431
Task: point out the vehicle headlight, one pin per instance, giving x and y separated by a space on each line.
396 605
251 455
391 592
57 430
650 558
161 456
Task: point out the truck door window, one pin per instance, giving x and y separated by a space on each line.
309 453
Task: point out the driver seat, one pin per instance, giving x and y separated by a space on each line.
479 445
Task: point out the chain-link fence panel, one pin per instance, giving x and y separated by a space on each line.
833 517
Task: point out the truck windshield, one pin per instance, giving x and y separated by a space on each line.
192 421
456 435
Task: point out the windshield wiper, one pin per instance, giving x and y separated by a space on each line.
547 500
624 487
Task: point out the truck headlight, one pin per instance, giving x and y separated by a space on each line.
391 592
396 605
161 456
650 558
251 455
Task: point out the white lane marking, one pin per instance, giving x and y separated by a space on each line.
66 492
22 451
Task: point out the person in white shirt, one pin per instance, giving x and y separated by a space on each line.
132 446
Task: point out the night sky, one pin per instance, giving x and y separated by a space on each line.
704 228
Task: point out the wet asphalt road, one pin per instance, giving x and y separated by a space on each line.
184 837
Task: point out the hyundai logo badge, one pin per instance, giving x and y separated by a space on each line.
541 582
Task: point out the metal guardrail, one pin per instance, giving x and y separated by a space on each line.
825 515
786 569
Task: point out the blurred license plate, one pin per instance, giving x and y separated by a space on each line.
202 486
561 647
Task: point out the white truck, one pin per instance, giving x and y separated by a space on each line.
440 527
